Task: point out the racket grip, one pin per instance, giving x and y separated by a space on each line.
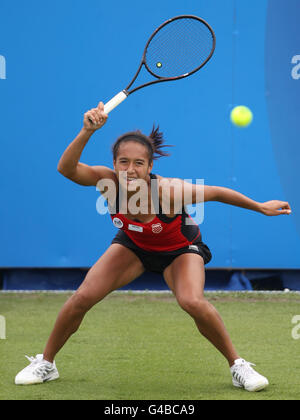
115 101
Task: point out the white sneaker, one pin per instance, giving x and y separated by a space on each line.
37 372
244 376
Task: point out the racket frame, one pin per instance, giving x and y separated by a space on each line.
168 79
121 96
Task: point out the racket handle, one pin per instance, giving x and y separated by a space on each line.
115 101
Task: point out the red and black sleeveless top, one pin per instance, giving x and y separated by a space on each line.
162 233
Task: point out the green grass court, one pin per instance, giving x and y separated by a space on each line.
144 347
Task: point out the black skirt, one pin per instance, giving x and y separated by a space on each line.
157 262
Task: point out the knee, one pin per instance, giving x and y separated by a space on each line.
80 302
195 306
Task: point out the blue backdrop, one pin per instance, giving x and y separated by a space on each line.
59 58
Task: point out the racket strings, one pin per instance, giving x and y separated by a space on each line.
182 49
179 47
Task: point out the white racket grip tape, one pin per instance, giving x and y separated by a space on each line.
115 101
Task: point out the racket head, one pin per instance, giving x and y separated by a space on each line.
179 47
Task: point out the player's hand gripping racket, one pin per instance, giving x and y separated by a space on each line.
178 48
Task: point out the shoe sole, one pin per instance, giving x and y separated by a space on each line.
52 378
256 388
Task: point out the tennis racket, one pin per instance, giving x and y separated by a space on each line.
177 49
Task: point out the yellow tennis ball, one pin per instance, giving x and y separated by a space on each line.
241 116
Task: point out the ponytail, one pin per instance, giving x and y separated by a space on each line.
157 139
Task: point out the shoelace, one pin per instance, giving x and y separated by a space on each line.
243 370
32 359
42 369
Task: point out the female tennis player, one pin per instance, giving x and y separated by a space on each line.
152 239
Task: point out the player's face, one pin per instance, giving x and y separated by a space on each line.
132 162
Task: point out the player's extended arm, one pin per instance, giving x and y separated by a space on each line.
178 192
228 196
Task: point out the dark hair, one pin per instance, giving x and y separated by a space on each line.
153 143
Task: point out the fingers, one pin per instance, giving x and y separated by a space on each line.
285 208
101 106
284 212
95 118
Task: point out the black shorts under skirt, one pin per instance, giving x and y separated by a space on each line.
158 261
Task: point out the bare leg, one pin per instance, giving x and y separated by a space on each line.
117 267
186 278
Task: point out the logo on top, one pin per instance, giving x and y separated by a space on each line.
117 222
157 228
